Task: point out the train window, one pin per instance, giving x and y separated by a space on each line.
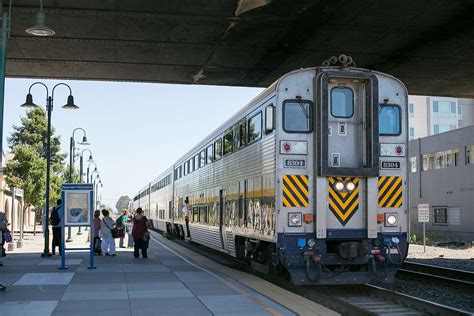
255 128
269 118
342 102
195 214
210 153
203 216
203 159
389 120
196 162
185 168
191 165
228 143
297 116
242 135
218 149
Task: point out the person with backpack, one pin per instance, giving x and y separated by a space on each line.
121 223
55 220
106 226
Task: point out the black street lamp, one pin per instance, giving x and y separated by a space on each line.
89 178
97 182
49 108
72 154
81 163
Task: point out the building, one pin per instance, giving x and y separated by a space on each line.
442 175
434 115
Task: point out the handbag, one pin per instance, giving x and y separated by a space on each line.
7 236
113 231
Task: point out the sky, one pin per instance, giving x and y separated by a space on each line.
135 130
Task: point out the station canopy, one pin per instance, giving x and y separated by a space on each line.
428 44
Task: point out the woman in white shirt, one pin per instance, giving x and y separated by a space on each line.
108 242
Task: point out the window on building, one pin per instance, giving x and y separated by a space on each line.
389 120
342 102
297 116
459 111
435 106
440 161
452 157
470 154
412 133
191 165
428 162
228 142
435 129
453 108
218 149
255 128
413 164
454 216
411 109
186 168
440 215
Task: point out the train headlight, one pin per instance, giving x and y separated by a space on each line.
391 219
339 186
294 219
350 186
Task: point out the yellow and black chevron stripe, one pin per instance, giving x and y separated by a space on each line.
295 191
343 204
390 191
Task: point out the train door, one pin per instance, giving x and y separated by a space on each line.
348 153
222 208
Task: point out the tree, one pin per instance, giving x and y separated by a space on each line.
27 170
28 141
122 203
33 132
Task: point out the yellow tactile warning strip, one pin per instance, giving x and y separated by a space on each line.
390 191
343 204
295 190
295 302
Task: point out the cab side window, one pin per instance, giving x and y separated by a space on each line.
389 120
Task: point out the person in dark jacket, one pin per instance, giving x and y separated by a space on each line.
140 233
55 219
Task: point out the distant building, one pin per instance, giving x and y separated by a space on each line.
442 175
434 115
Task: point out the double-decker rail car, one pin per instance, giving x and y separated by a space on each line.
310 178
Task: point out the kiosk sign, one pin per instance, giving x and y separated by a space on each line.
423 213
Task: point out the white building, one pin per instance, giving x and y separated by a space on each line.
434 115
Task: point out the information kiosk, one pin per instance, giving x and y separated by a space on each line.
77 209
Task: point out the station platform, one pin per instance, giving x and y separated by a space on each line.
172 281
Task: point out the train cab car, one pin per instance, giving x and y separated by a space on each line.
309 178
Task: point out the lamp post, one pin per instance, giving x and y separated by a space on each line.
97 182
89 179
49 108
81 164
72 147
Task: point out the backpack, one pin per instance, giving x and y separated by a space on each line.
55 220
118 222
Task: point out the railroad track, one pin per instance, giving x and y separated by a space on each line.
372 300
347 300
458 279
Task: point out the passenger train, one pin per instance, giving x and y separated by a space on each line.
309 179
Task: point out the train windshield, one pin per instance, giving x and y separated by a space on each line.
389 120
297 116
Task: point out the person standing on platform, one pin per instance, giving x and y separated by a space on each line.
3 228
129 231
122 224
185 211
108 242
95 233
55 220
140 234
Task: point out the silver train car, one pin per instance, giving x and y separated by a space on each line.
309 179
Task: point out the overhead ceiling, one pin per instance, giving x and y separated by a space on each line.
429 44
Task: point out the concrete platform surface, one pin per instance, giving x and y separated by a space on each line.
172 281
